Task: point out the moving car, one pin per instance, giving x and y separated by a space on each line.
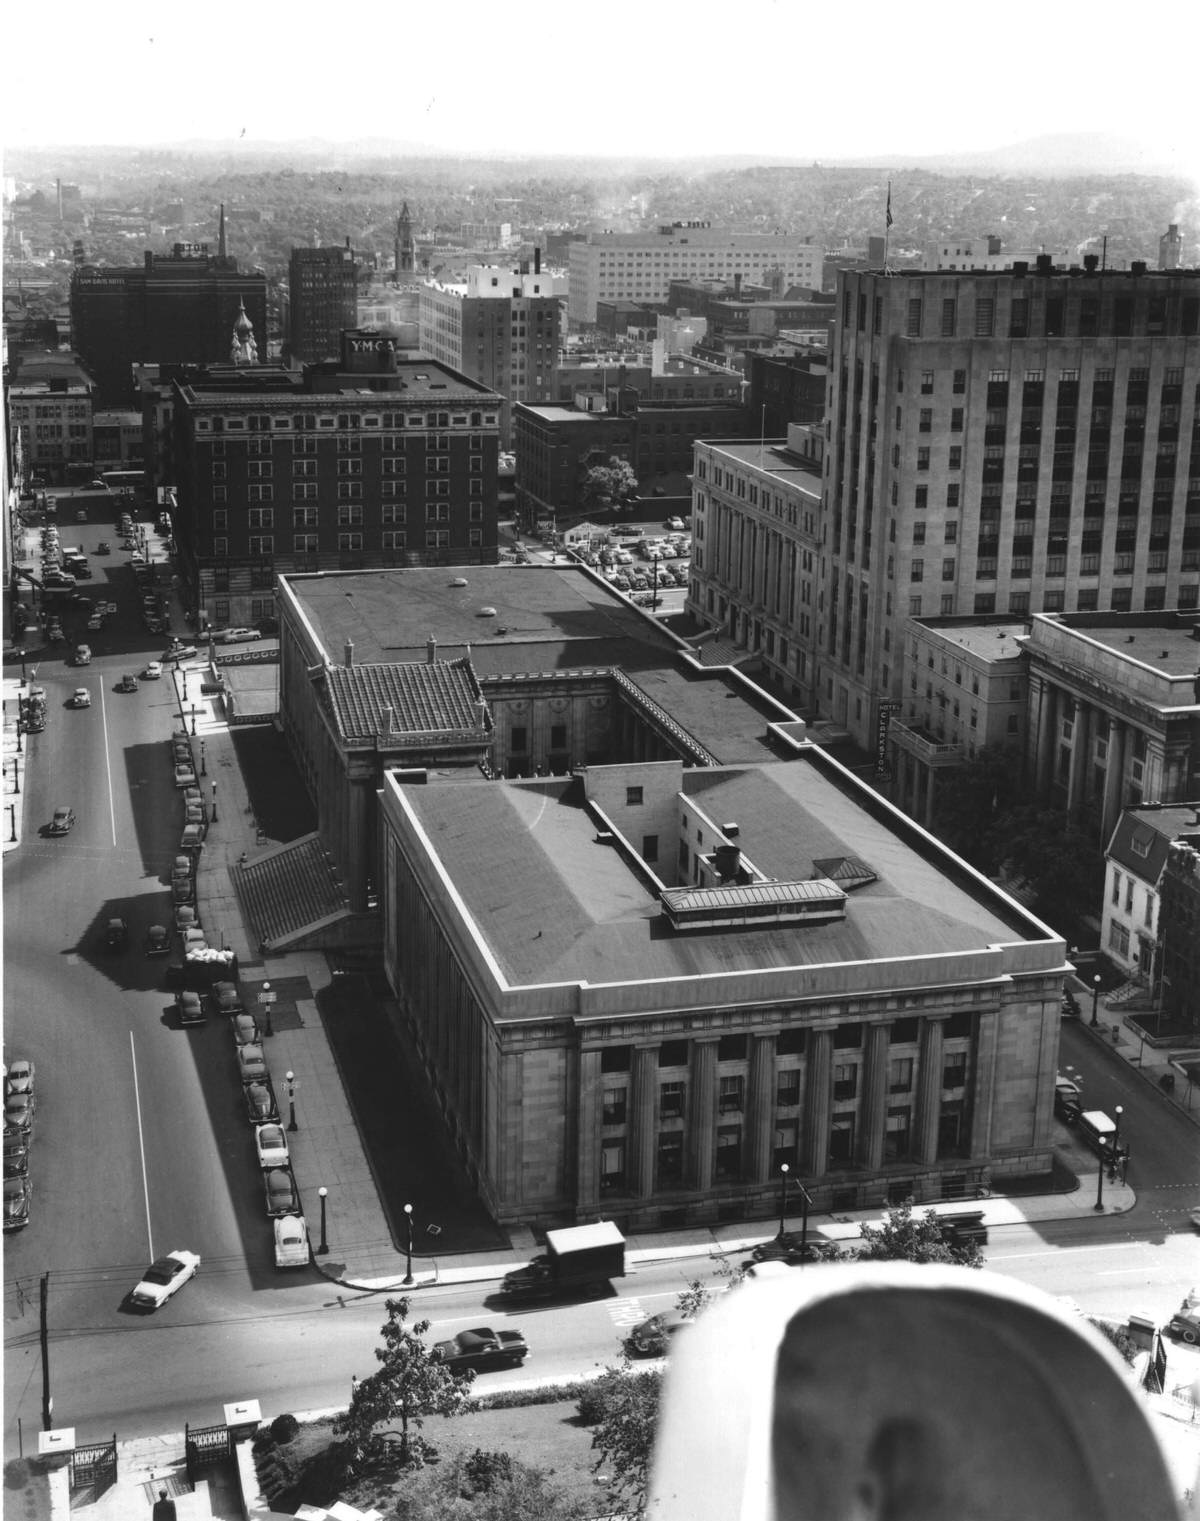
180 652
482 1348
158 942
16 1203
128 683
104 547
653 1337
252 1063
116 935
83 654
189 1008
291 1241
271 1141
793 1249
62 822
164 1277
81 698
237 635
225 998
19 1077
153 670
279 1189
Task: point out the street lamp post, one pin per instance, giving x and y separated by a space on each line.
654 564
203 758
20 731
12 818
783 1178
1116 1145
1095 999
214 795
193 711
185 696
16 776
1099 1204
408 1272
805 1205
324 1246
266 1003
290 1079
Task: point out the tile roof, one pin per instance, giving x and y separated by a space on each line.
435 697
289 891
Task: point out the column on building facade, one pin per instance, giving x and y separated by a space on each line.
1114 771
507 1136
1046 706
587 1151
873 1109
760 1108
1080 729
1154 780
818 1091
702 1111
983 1089
926 817
643 1111
929 1090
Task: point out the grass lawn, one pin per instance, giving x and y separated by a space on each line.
545 1437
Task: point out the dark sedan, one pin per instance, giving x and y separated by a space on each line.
279 1188
481 1349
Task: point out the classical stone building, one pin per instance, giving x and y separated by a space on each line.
641 989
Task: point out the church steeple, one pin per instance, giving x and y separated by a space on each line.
405 249
221 250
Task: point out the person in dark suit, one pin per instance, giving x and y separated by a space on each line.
164 1508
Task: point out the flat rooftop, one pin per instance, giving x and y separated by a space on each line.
989 641
547 619
772 457
1169 651
554 905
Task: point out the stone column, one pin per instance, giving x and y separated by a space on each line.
643 1107
1046 708
929 1090
983 1088
1079 747
873 1108
702 1112
818 1092
760 1109
1114 769
587 1150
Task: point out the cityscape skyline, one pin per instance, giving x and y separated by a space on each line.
110 72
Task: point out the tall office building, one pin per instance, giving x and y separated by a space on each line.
501 328
1002 442
323 301
178 308
639 266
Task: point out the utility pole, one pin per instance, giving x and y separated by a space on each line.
47 1402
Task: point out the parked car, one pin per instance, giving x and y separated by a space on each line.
482 1348
189 1008
17 1192
164 1277
194 940
127 683
180 652
18 1113
252 1063
676 524
186 918
279 1188
793 1250
260 1102
245 1029
16 1154
271 1143
237 635
291 1241
158 942
185 774
19 1077
225 998
152 671
63 821
83 654
653 1337
116 934
192 837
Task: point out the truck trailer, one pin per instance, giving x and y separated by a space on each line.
579 1259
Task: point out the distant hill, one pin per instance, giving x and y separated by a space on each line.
1065 153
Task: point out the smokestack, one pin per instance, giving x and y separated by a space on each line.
349 653
221 234
431 649
537 261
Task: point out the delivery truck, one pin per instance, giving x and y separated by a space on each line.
579 1259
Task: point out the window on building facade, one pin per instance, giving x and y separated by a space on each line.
841 1139
897 1139
615 1100
671 1097
612 1167
305 543
728 1161
845 1080
954 1070
900 1074
669 1169
787 1144
732 1095
262 544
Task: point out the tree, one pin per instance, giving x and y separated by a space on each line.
466 1489
411 1384
616 481
905 1237
1063 865
624 1435
973 800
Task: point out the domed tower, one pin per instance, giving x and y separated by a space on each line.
243 350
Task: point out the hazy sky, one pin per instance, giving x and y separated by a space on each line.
614 77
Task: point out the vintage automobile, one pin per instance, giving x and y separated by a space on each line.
291 1241
482 1349
189 1007
654 1336
279 1189
164 1277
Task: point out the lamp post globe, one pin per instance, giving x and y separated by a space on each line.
408 1272
783 1178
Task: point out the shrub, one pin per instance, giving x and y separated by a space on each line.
284 1428
548 1394
16 1473
483 1471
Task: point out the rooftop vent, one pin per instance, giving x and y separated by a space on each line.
1091 263
1138 267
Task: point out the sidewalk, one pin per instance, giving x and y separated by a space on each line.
12 816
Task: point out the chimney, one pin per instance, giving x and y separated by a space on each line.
537 261
1020 268
431 649
1137 268
1091 263
349 653
1045 264
385 723
727 860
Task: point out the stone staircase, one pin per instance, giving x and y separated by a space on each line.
290 890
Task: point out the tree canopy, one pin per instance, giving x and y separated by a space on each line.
906 1237
411 1383
616 480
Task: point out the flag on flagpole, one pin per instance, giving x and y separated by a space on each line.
889 204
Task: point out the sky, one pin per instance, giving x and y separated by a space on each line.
771 78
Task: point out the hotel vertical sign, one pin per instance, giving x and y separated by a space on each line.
883 770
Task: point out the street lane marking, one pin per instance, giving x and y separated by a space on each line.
1082 1246
137 1104
112 812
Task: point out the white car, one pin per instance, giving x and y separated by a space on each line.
82 698
185 775
271 1141
153 671
237 635
164 1277
291 1241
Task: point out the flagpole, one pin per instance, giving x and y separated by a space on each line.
887 227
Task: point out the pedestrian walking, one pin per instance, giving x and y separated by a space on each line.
164 1508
